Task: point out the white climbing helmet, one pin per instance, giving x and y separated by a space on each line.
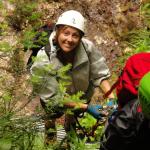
72 18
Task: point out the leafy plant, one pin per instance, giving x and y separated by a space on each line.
18 133
25 14
137 38
145 13
5 47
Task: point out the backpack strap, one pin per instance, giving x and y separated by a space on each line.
113 86
47 50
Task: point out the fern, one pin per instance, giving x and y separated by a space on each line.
145 13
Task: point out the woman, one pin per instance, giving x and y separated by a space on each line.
89 70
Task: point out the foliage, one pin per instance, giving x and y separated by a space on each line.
3 28
145 13
32 39
77 143
92 128
17 62
136 40
24 15
139 38
27 39
18 133
49 73
5 47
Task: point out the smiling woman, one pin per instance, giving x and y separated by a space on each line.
89 70
68 38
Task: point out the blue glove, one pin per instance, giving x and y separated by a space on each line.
112 103
95 111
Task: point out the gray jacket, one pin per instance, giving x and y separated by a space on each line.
88 70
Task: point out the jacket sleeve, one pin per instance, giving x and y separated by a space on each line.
44 79
99 68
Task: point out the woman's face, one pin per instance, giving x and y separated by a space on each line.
68 38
